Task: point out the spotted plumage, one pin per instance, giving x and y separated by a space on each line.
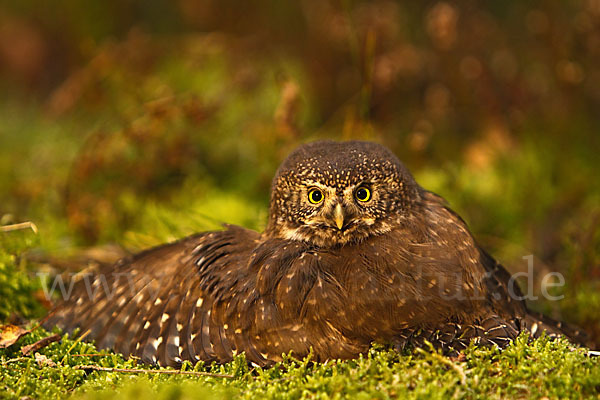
355 252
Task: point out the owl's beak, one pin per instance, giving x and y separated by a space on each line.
338 216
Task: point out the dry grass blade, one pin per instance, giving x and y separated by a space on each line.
459 370
19 226
438 357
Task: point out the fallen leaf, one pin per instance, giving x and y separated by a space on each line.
40 344
9 334
44 361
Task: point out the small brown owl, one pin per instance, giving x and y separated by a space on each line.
355 252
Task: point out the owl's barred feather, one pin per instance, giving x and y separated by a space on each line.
333 275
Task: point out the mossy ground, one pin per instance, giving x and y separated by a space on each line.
551 369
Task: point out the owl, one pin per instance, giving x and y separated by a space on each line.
355 252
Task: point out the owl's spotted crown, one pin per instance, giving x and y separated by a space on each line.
337 170
338 164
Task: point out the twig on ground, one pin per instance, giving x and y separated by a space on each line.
152 371
92 355
12 360
40 344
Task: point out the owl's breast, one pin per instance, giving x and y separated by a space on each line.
368 290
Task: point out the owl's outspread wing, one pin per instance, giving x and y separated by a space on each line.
161 304
212 295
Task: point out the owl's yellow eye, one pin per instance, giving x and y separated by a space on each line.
362 194
315 196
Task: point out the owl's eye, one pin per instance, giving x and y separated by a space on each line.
362 194
315 196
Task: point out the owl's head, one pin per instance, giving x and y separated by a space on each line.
331 193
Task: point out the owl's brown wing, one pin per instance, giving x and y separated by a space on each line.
507 300
158 305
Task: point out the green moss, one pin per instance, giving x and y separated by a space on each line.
17 282
539 369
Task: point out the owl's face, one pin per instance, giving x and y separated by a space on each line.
330 193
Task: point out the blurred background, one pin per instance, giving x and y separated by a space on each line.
134 122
